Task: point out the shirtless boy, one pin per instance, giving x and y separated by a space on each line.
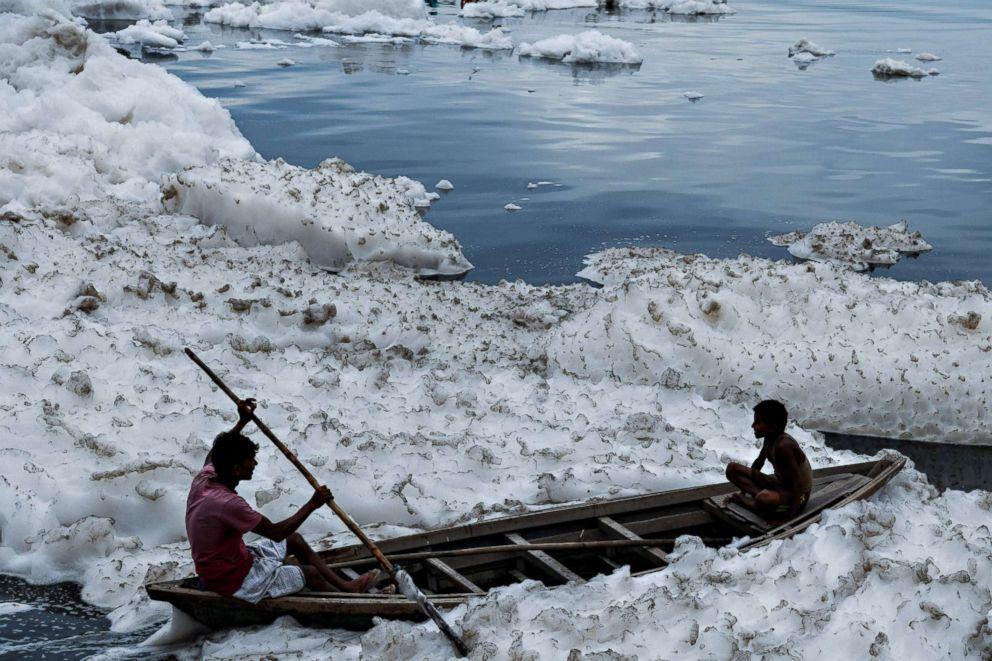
784 494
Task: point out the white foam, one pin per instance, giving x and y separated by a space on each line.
891 355
683 7
498 9
120 9
337 214
379 20
13 608
589 47
928 57
158 35
374 16
68 143
890 68
854 245
526 5
804 46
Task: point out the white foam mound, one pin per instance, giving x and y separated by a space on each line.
844 351
13 608
590 47
928 57
547 5
67 142
463 35
301 15
403 20
497 9
891 68
425 405
337 215
511 8
880 579
157 35
810 48
854 245
120 9
683 7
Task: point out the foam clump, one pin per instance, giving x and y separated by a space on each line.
855 246
892 68
337 214
511 8
75 152
809 48
683 7
14 608
157 35
893 356
120 9
589 47
390 18
499 9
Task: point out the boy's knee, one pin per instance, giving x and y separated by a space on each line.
767 499
733 469
295 540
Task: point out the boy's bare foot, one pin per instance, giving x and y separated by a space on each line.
737 497
388 589
363 582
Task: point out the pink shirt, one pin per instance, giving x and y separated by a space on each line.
216 519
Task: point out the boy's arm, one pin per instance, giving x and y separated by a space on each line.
280 530
246 409
794 458
760 461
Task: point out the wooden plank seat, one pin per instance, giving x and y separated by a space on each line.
826 491
546 563
453 576
614 530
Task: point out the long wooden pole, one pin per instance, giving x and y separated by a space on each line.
522 548
401 577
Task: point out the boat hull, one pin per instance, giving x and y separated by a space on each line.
457 572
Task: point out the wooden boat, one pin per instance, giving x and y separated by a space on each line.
578 542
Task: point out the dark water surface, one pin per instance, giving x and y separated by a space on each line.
60 625
770 148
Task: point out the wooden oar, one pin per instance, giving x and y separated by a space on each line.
523 548
406 584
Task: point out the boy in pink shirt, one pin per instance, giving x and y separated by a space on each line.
217 518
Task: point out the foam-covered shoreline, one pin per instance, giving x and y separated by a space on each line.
425 404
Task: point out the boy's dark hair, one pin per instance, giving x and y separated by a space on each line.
772 412
230 449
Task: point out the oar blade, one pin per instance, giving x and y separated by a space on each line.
413 593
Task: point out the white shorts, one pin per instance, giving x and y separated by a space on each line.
268 576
